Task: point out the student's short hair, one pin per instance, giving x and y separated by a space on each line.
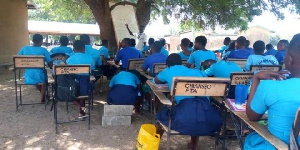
162 41
78 45
285 42
156 46
259 47
85 39
269 46
247 43
64 41
201 39
227 40
185 42
132 42
241 41
294 46
104 42
191 44
37 38
127 41
173 59
150 40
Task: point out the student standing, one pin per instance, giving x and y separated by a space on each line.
35 76
185 53
81 58
241 52
272 92
201 53
259 58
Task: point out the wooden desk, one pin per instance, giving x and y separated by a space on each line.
155 87
261 130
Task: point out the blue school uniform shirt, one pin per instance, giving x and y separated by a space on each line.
260 60
279 98
191 49
181 54
89 50
153 58
200 55
271 52
80 58
104 51
141 53
240 54
127 53
164 51
62 49
146 48
124 78
223 48
178 70
34 76
222 69
280 56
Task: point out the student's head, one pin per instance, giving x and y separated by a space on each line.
156 47
85 39
150 41
125 42
78 46
191 44
132 42
240 42
232 45
292 56
269 46
185 43
64 41
104 43
282 45
247 43
173 59
162 41
37 40
142 29
259 47
227 41
200 42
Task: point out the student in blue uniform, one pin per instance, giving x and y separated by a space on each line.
226 43
201 53
155 57
248 46
63 48
259 58
185 53
104 49
80 57
191 47
281 48
241 52
89 50
186 106
278 97
132 45
123 89
147 47
163 50
35 76
270 50
229 50
126 53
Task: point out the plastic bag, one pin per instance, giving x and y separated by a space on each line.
147 138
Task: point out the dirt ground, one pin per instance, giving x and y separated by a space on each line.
32 127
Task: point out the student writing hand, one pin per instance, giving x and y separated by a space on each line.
270 75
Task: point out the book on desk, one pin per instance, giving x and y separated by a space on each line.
235 107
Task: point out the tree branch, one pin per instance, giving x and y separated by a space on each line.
122 3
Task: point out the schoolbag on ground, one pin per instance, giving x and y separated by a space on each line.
67 87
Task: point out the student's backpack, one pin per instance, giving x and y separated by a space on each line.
67 87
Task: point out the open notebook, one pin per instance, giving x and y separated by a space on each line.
235 107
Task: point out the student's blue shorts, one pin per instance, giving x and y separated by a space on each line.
192 116
121 94
84 85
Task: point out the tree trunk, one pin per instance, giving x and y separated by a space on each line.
143 11
101 12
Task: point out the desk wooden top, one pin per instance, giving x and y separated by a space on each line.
262 131
156 87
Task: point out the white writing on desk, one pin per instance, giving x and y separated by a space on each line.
192 87
242 80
